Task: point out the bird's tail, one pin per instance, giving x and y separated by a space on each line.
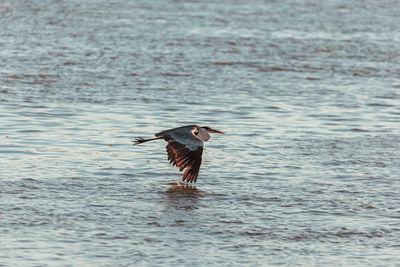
140 140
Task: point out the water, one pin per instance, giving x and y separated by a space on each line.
308 93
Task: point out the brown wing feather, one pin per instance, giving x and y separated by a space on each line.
171 156
182 157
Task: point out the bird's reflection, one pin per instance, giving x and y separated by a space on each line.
183 196
183 188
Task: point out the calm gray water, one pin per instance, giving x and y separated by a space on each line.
308 92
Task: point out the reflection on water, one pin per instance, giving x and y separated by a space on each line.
183 189
183 196
308 92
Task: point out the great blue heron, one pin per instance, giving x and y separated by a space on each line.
185 147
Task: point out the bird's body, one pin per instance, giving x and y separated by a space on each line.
185 148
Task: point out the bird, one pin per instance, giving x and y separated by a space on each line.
185 147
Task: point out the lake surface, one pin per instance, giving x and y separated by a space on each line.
307 174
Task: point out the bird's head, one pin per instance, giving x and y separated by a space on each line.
209 130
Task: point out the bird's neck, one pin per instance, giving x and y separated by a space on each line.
203 135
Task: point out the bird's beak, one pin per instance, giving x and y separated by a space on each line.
215 131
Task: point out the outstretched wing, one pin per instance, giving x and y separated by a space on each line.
183 157
185 150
